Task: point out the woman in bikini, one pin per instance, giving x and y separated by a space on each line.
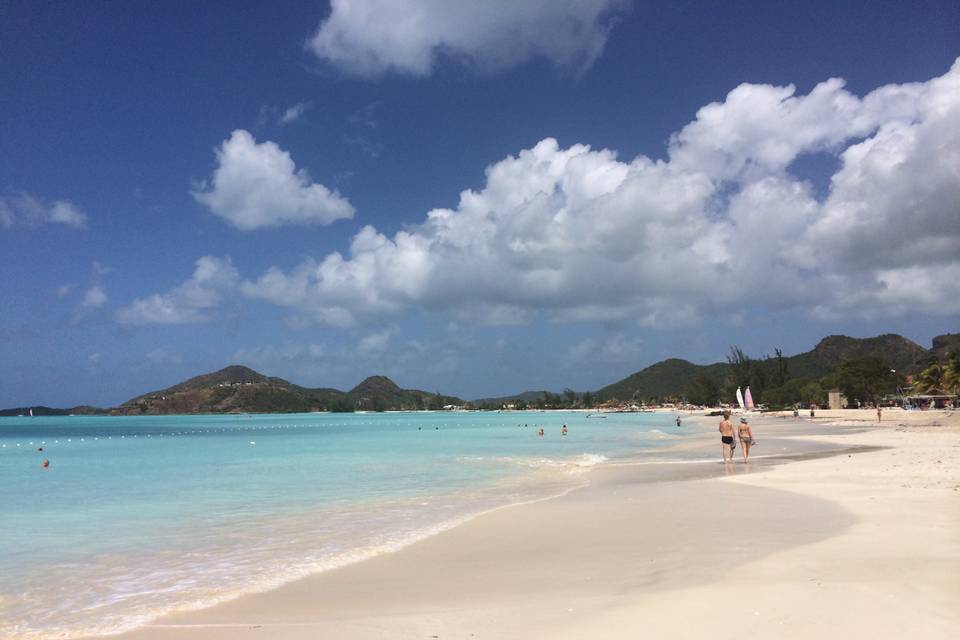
746 437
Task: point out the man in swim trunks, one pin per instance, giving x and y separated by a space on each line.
726 436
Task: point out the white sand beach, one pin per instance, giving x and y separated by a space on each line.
860 541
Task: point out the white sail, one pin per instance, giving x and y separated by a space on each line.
740 399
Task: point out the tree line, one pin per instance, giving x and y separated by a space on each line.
865 379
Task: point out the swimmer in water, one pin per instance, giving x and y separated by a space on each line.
540 433
45 464
563 431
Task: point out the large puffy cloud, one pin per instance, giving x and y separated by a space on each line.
582 235
192 301
258 185
25 210
760 129
369 37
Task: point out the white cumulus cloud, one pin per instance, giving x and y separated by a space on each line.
370 37
27 211
193 301
581 235
257 185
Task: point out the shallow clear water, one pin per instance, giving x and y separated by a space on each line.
138 516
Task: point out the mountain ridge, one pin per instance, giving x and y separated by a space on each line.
240 389
670 377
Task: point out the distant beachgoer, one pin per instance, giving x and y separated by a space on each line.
563 431
811 411
678 421
746 437
45 464
796 412
540 433
726 436
879 413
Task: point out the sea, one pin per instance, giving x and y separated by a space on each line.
136 517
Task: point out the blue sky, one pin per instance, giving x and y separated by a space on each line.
476 201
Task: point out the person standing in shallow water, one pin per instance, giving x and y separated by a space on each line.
726 437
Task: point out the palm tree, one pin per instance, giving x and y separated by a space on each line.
951 373
930 380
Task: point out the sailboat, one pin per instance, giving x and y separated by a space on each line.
749 399
31 413
740 397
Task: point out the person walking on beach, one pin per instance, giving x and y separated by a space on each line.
879 413
726 436
746 438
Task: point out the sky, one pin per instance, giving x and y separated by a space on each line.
472 198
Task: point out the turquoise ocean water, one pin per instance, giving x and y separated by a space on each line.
140 516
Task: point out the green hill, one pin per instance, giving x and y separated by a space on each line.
665 378
238 389
898 352
944 345
671 377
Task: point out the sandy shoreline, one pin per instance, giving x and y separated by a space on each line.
849 544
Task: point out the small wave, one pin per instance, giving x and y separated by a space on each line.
581 462
584 460
662 434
